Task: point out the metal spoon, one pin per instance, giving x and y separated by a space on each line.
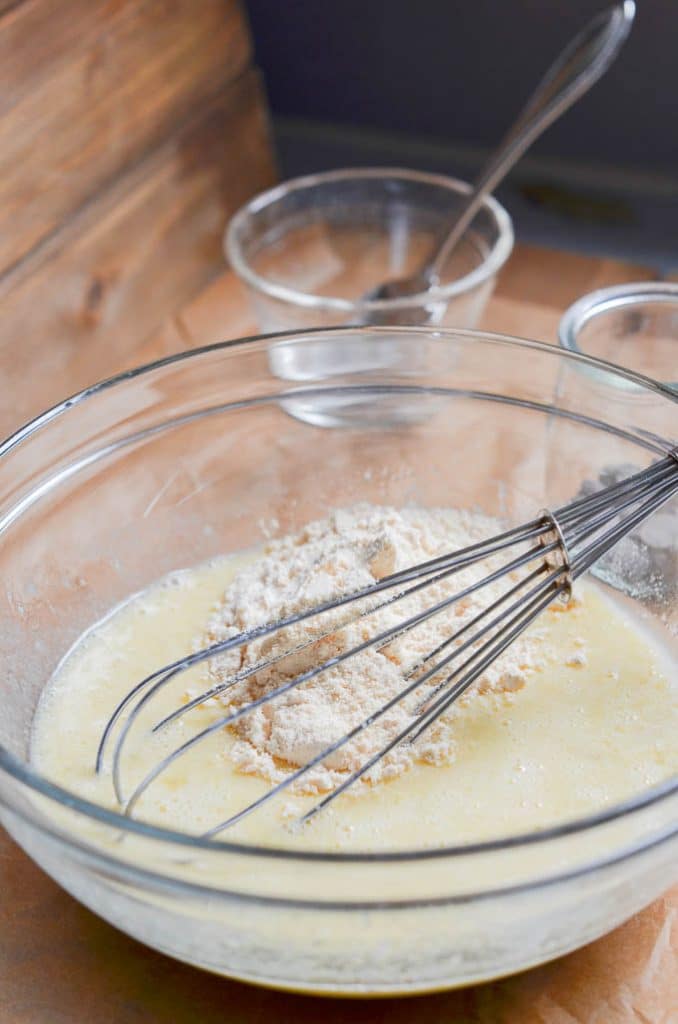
581 63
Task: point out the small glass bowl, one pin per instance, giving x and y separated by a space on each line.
634 325
309 249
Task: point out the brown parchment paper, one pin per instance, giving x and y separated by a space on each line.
59 964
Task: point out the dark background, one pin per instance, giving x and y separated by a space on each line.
434 83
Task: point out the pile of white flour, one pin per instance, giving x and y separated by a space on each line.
348 551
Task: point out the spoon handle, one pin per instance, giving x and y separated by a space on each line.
578 67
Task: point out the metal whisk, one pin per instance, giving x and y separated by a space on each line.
549 553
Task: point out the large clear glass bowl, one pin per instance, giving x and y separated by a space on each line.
196 455
635 324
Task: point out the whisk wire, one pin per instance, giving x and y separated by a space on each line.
385 636
598 547
414 729
564 544
385 708
453 562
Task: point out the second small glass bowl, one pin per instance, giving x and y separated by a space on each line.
309 249
634 325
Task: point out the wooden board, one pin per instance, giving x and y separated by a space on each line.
88 86
77 309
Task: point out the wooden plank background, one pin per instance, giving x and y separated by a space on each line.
143 248
87 86
130 130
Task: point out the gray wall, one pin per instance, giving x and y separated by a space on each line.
458 71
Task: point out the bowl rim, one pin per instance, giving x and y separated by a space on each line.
604 300
26 775
495 259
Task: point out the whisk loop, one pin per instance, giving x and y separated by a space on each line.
552 550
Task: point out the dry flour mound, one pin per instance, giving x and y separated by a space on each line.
343 553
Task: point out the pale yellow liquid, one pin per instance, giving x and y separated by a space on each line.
574 739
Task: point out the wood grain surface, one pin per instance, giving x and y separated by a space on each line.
533 291
88 86
59 964
78 307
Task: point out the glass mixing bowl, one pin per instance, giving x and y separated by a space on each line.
199 454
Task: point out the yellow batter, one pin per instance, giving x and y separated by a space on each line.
584 732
